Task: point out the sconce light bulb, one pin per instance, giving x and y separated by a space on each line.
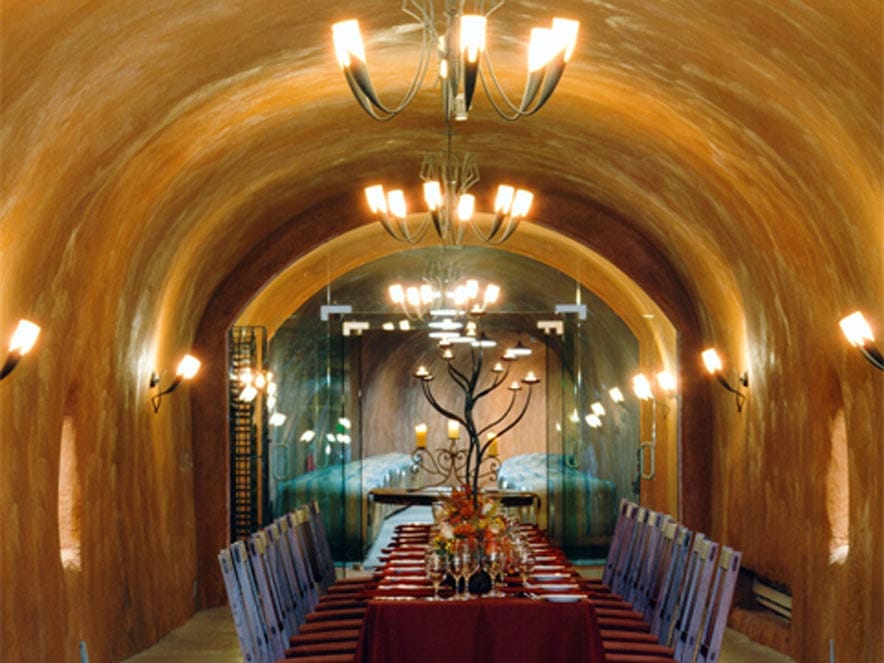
711 360
642 387
856 329
24 337
616 394
188 367
666 380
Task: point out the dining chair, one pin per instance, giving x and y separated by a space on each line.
265 596
675 540
624 513
245 581
242 621
719 605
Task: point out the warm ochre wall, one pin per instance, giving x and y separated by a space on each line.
162 161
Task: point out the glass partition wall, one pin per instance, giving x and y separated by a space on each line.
342 417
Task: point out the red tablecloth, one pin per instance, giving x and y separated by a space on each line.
487 630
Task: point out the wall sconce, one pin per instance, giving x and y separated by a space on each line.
858 334
664 381
713 365
23 339
187 368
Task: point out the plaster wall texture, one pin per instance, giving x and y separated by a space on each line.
161 162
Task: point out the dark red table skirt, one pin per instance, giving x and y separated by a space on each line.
496 630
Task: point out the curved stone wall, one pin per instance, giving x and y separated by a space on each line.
162 161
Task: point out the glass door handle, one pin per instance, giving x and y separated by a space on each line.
648 469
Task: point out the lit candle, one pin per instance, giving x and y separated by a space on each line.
492 447
453 429
420 436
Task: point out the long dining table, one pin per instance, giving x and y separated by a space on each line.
547 620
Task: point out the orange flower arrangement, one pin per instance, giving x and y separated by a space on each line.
465 518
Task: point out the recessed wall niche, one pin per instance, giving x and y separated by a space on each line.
69 497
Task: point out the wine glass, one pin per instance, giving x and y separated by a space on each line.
465 557
436 564
524 562
494 562
473 564
457 567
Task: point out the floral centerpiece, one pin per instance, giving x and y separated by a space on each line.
461 517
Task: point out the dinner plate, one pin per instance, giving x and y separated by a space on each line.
562 598
551 577
553 586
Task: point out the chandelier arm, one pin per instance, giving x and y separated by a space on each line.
495 87
394 232
499 380
359 78
363 100
421 12
457 232
519 418
469 173
477 369
551 77
497 5
436 406
501 418
459 378
508 230
495 226
422 228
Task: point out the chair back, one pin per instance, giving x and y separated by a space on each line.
624 513
244 629
719 605
647 585
670 588
690 617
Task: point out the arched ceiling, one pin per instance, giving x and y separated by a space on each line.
163 161
181 136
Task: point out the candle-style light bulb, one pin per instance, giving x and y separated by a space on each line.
420 436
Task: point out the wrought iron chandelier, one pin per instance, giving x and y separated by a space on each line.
460 50
479 460
447 179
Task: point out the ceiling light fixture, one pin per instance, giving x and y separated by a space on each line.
444 302
459 51
447 179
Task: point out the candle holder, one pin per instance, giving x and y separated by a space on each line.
450 464
474 463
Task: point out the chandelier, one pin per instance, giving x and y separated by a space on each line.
444 304
447 179
460 50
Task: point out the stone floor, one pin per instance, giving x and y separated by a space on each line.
210 637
